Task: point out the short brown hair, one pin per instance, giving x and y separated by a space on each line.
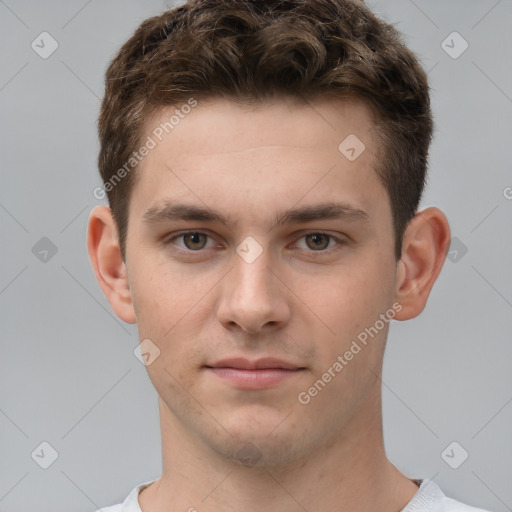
250 50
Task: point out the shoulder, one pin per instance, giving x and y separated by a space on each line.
430 498
451 505
131 503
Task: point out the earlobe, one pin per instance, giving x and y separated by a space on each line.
110 270
425 245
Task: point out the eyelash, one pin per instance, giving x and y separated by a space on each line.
169 240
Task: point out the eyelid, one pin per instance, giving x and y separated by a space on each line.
338 239
166 240
297 236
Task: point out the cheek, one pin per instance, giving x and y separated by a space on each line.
345 303
174 310
168 307
349 294
165 295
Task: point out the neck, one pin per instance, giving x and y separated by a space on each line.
350 473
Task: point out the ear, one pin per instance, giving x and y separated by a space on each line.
424 248
110 270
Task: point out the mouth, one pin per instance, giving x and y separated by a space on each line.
259 374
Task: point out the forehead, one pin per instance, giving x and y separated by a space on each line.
282 151
306 123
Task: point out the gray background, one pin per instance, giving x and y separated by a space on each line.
68 373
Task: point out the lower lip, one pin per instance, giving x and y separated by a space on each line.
254 379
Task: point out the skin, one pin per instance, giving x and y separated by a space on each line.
303 300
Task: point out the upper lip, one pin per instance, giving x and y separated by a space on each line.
245 364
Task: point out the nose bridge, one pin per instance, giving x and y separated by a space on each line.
253 278
253 297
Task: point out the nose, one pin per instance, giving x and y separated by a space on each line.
253 297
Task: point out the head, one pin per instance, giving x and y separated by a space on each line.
229 119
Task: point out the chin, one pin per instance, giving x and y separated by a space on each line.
259 449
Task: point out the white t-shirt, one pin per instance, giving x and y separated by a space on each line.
429 498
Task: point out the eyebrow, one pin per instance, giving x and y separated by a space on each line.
166 212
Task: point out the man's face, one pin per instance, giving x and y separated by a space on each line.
249 287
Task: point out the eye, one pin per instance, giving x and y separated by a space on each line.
189 242
193 241
319 242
